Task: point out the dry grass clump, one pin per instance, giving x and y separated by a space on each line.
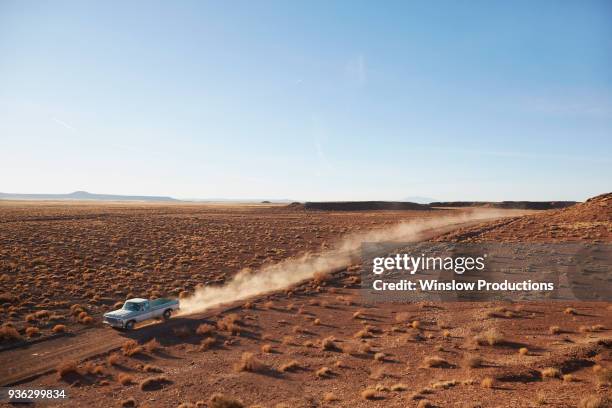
487 382
551 372
328 343
154 383
435 362
443 385
205 330
473 361
149 368
323 372
379 356
330 397
368 394
554 330
570 311
425 404
221 401
362 334
569 378
128 403
523 351
290 366
8 332
399 387
358 315
416 324
207 344
152 345
230 323
113 359
248 362
266 348
59 328
595 401
66 368
94 369
131 348
32 331
125 379
491 337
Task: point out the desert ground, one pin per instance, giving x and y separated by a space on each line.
315 343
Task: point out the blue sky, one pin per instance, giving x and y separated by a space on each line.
317 100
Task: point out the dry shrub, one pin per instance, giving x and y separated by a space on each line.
205 330
113 359
32 331
554 330
94 369
425 404
128 403
595 401
330 397
316 321
207 344
473 361
59 328
523 351
266 348
570 311
66 368
491 337
551 372
328 344
152 345
230 323
8 332
358 315
446 333
379 356
569 378
443 385
399 387
131 348
487 382
149 368
435 362
248 362
222 401
154 383
415 324
323 372
290 366
362 334
598 327
368 393
125 379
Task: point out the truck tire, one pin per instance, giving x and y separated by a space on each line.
167 314
130 325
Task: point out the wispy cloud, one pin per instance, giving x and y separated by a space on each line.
63 124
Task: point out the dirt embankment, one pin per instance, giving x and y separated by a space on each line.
591 220
519 205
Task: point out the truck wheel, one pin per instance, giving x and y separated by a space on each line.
129 325
167 314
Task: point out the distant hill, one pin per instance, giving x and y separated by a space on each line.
84 195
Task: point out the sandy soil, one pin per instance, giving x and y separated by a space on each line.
319 344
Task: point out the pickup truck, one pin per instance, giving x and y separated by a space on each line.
137 309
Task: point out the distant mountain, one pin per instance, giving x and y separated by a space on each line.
83 195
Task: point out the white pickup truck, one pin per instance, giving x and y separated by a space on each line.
137 310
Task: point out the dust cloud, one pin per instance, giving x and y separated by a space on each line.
286 273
